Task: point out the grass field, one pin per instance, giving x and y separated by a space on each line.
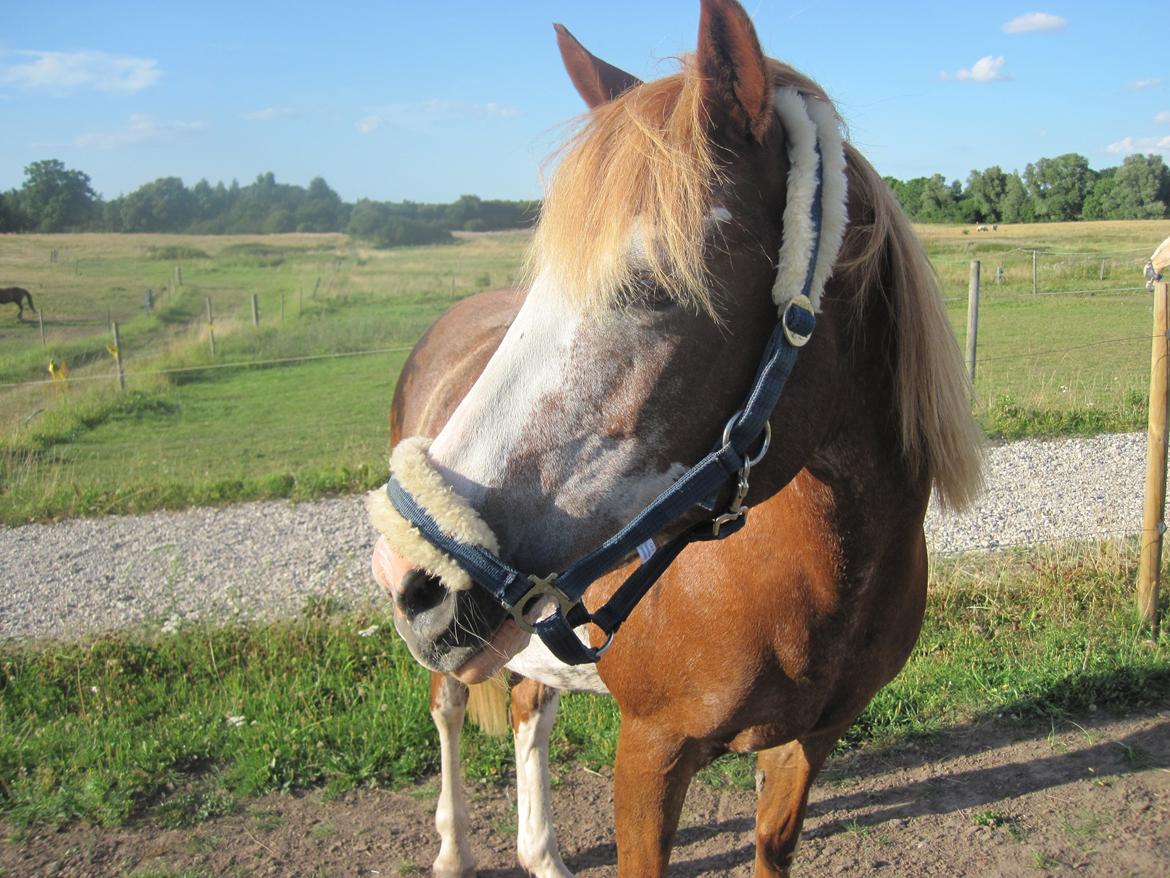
179 725
297 407
198 429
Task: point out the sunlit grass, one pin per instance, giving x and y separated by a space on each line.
182 723
1074 363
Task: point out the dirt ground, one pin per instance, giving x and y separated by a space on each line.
1083 797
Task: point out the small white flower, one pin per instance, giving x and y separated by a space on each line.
236 721
368 632
93 689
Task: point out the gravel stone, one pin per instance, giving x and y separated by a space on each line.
260 560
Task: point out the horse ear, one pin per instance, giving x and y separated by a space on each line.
596 81
736 87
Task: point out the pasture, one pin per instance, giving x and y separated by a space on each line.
297 406
179 731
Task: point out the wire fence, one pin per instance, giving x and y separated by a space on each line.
1087 351
1093 357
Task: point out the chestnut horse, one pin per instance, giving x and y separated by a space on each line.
561 413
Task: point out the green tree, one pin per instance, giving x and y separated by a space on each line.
1015 207
1138 189
165 205
986 189
9 221
321 210
55 198
1057 187
937 201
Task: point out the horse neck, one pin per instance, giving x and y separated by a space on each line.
860 454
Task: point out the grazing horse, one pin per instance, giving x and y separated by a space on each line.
16 296
685 215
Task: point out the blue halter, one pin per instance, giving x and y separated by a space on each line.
732 459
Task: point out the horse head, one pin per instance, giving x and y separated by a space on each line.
674 230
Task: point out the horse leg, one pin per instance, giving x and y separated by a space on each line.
783 777
448 706
651 776
534 710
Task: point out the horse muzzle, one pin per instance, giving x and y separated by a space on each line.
450 632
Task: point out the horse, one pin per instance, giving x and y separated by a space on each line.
561 412
15 296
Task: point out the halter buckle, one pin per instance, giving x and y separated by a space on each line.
796 339
541 587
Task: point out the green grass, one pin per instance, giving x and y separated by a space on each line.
1072 360
1048 365
197 429
187 725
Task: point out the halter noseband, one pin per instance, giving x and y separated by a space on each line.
465 552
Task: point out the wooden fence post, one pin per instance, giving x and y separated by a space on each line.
210 327
1034 274
41 321
282 306
255 311
1153 516
972 320
117 352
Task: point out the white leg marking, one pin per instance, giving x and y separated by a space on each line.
455 859
536 839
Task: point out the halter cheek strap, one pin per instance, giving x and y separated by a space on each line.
429 525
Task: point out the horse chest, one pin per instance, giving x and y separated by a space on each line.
536 663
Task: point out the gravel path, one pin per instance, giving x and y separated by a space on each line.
258 559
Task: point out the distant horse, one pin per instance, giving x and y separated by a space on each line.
15 296
686 214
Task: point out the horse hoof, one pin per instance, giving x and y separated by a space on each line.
439 871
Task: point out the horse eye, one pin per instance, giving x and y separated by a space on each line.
650 294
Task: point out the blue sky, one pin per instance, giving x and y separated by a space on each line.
432 99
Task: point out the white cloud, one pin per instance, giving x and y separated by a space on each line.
420 114
64 72
1143 84
1162 118
268 114
989 68
1035 21
1141 146
140 129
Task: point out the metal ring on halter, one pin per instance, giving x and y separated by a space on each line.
750 461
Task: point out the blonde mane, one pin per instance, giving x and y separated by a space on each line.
644 163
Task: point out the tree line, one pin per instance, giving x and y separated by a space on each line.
1057 189
55 198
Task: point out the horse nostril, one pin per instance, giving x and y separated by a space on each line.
419 592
